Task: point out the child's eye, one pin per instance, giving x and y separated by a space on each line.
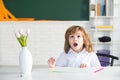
71 36
78 36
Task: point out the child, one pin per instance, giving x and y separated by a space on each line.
78 50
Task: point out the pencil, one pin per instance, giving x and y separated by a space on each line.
98 70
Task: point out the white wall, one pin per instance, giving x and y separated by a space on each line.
46 39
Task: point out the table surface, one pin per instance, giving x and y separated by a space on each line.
62 73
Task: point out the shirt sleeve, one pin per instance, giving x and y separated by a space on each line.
95 61
62 60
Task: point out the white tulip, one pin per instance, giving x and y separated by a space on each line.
21 31
18 35
28 31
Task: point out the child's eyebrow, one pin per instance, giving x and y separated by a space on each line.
71 35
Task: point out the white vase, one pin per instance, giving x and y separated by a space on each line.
25 61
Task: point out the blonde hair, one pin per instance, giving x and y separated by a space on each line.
86 38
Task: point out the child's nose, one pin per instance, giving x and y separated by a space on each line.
75 38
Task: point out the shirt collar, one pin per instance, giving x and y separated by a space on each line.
71 51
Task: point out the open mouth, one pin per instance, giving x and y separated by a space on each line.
75 44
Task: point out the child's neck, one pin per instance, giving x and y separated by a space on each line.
78 51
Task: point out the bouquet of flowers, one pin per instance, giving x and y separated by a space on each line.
22 37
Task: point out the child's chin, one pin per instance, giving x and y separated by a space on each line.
76 48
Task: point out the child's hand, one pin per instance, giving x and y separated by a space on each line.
51 62
83 65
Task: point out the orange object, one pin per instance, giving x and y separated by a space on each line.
5 15
25 19
98 9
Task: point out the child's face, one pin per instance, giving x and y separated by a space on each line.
76 41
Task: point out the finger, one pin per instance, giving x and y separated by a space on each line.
51 60
83 65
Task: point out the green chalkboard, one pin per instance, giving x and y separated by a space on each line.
49 9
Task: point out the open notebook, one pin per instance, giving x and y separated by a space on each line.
71 69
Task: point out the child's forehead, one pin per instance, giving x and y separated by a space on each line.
76 33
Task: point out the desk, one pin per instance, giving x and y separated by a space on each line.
108 73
